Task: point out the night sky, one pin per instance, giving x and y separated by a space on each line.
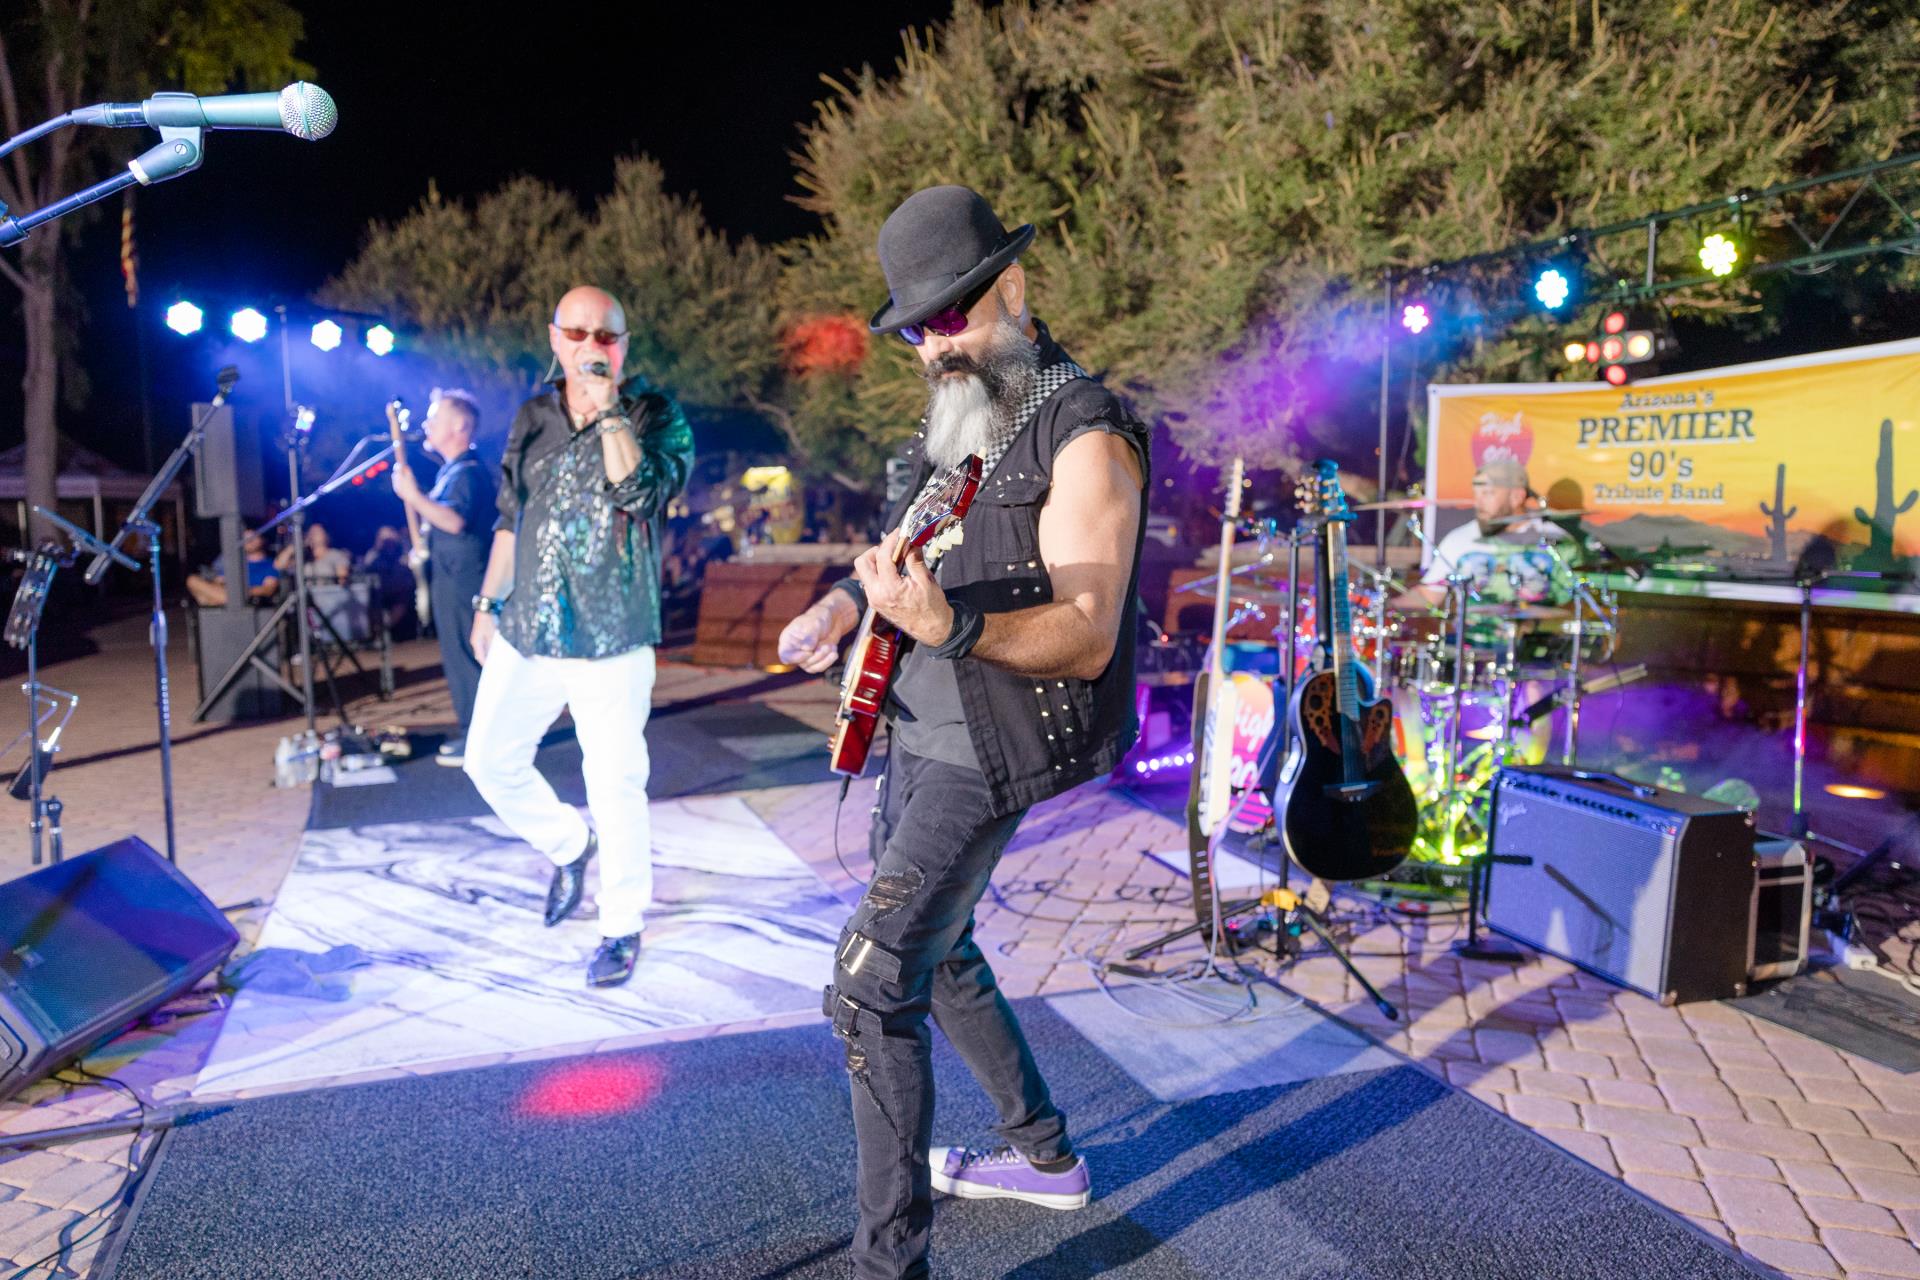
468 98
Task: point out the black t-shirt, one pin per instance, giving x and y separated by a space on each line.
468 487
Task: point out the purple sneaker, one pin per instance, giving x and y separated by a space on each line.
1003 1173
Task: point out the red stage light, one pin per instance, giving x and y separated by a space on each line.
1616 374
1615 322
592 1088
1593 353
1611 349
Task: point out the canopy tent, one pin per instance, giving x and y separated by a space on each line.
86 479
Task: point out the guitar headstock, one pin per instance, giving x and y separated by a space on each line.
942 508
398 417
1322 495
1236 484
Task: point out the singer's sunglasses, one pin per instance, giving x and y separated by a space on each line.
949 323
601 337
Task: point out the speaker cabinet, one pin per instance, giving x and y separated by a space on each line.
90 944
226 468
1782 912
221 635
1650 888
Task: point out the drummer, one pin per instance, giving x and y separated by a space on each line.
1499 549
1507 570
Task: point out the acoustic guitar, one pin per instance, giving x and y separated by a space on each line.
1343 803
932 524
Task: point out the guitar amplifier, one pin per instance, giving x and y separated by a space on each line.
1649 888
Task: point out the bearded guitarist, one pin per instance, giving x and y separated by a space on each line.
1018 686
458 520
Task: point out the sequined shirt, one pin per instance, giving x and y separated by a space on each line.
586 576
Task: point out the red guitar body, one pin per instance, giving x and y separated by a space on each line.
877 646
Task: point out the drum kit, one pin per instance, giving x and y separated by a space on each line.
1473 681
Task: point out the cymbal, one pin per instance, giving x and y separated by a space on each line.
1262 595
1416 504
1543 513
1519 612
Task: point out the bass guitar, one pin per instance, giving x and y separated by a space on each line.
416 536
932 524
1214 706
1344 806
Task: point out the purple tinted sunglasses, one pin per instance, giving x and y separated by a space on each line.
946 323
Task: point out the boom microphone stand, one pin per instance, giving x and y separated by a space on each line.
140 521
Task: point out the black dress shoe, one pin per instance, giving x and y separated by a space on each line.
613 963
569 882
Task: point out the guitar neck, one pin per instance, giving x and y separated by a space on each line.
1222 600
1340 613
415 534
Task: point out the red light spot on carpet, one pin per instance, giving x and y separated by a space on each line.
576 1089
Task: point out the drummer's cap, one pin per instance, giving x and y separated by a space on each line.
1503 472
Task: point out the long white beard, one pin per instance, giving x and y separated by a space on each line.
960 421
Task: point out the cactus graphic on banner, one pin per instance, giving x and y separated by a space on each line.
1879 553
1778 514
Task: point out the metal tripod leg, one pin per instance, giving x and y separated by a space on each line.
251 656
1313 921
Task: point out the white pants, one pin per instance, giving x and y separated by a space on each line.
520 697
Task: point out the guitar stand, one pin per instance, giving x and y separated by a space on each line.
1292 915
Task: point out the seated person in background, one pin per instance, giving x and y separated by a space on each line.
386 560
262 582
325 562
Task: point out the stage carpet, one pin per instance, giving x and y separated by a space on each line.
449 912
731 1157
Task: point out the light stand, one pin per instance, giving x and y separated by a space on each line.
303 626
298 601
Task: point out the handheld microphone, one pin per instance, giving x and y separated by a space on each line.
596 368
303 110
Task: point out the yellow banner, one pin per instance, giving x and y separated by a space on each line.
1755 470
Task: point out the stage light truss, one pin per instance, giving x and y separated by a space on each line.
1832 218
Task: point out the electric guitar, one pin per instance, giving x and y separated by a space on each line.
417 554
1344 805
933 524
1210 794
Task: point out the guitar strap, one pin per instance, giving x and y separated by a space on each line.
1045 382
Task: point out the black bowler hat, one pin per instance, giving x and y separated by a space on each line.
936 248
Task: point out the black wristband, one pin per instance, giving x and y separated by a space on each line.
968 623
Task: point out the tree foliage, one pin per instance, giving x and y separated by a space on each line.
1221 184
479 279
56 55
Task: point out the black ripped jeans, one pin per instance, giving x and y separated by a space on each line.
909 951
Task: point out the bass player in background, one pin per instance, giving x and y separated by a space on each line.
458 518
1019 685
